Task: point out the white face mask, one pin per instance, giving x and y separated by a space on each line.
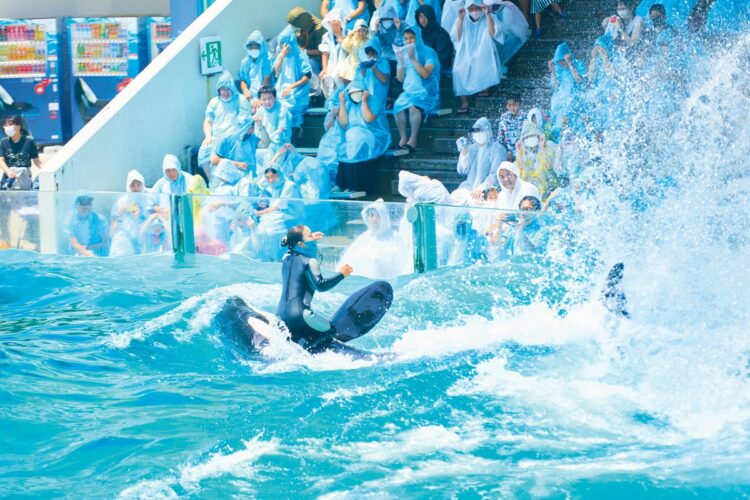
480 138
254 53
10 130
476 15
623 13
387 24
356 97
531 143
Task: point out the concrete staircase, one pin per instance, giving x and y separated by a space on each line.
528 77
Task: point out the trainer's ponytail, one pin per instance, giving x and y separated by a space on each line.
293 236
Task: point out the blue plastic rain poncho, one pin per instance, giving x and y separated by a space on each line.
273 225
477 65
371 58
128 215
347 7
307 173
155 236
565 99
217 214
450 14
332 147
254 70
677 10
529 238
364 140
728 16
165 185
512 22
601 100
479 163
413 5
294 67
332 46
379 253
274 129
421 93
387 33
223 114
240 146
87 227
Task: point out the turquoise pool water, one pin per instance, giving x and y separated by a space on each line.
116 383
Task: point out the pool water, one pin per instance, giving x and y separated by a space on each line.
116 382
505 380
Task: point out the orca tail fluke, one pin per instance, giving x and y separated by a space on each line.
613 294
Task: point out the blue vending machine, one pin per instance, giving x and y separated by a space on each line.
102 59
29 69
156 35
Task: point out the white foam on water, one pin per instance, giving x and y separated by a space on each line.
236 464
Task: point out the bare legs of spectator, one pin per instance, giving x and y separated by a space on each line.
401 125
538 18
464 105
524 6
415 121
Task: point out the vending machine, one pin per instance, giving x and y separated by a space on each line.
156 35
102 60
29 71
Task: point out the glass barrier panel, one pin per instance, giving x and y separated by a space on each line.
19 220
112 224
373 237
467 235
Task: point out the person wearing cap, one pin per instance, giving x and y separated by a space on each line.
478 161
86 230
309 32
255 68
366 137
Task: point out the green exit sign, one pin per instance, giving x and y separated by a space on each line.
211 55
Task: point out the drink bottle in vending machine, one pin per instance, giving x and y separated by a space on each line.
29 76
104 58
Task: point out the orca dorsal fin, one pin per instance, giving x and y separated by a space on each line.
613 294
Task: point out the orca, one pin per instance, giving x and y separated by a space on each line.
251 329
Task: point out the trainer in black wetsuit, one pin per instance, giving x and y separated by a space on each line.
301 278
